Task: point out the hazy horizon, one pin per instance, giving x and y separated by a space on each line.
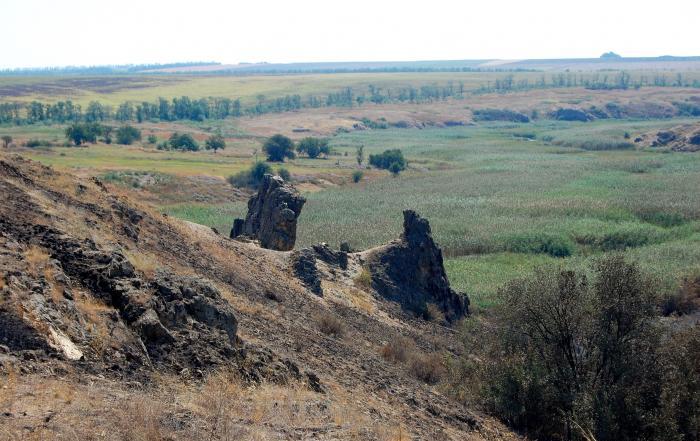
42 33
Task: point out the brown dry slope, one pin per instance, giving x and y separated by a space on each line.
120 323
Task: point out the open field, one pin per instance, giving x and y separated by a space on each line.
501 197
115 89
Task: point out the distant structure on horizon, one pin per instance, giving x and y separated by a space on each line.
611 56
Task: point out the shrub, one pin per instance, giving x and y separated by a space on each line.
685 301
152 139
34 143
399 349
183 141
126 135
251 177
357 176
313 147
395 168
215 142
540 243
427 368
571 115
284 174
330 324
500 115
387 158
80 133
364 279
572 356
6 140
622 239
279 147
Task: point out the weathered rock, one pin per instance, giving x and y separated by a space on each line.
272 215
237 229
305 269
569 114
411 271
695 139
664 137
330 256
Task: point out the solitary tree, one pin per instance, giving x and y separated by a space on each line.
279 147
215 142
127 135
6 140
360 155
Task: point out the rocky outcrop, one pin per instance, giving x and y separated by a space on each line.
272 215
305 269
411 271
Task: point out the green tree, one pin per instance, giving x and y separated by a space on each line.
279 147
284 174
357 176
6 140
215 142
127 135
310 146
570 356
360 155
80 133
386 159
251 177
183 141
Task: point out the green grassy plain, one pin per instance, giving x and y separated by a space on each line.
502 198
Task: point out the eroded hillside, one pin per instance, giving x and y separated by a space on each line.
117 322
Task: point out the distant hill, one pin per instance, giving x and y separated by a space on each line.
607 61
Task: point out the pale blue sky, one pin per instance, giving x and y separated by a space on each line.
82 32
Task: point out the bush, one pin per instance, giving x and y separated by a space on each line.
183 141
215 142
34 143
427 368
126 135
251 177
357 176
540 243
80 133
500 115
284 174
399 349
330 324
6 140
152 139
582 355
685 301
386 159
313 147
279 147
364 279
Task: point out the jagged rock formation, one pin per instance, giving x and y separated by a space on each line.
272 215
305 269
411 271
82 300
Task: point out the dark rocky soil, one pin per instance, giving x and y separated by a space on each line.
92 283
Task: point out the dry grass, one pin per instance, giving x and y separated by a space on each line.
36 259
364 279
329 324
362 300
428 368
222 408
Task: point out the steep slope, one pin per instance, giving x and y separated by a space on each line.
108 298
